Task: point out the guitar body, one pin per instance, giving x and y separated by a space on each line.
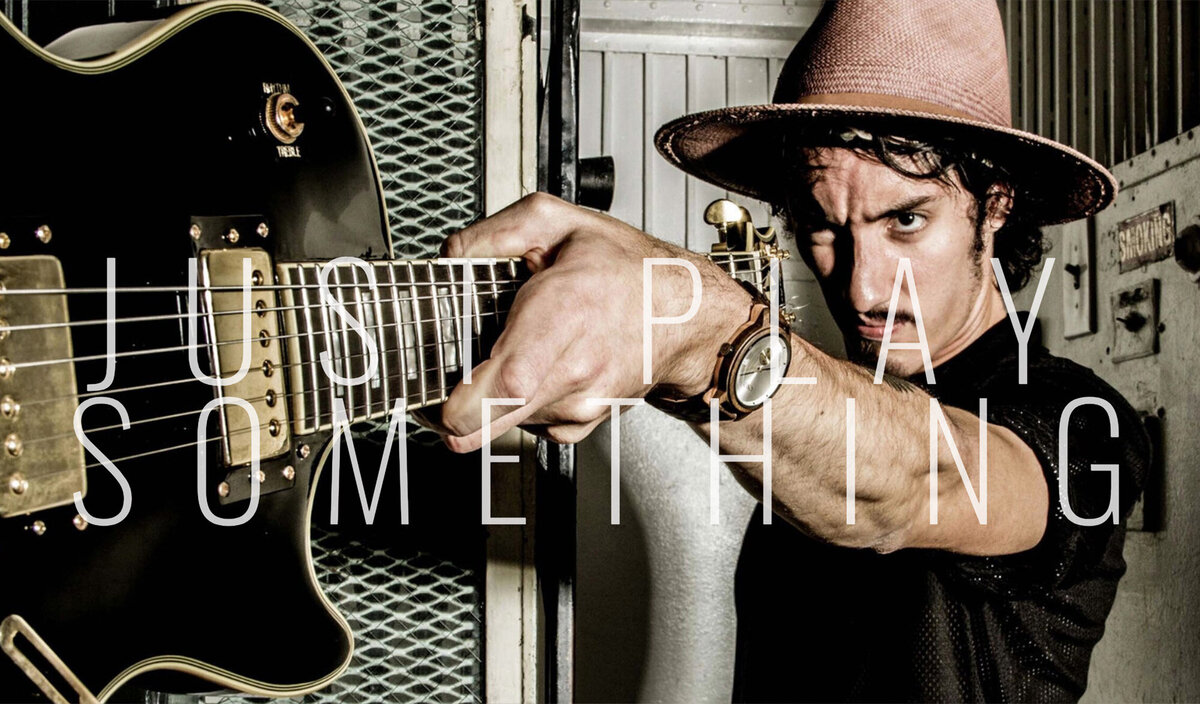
120 156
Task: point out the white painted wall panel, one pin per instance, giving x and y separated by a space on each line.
666 190
655 615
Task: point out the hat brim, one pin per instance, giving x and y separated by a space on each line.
741 149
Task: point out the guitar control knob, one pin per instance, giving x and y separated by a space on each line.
281 117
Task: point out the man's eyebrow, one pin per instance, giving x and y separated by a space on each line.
902 207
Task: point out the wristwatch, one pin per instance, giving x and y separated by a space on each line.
742 379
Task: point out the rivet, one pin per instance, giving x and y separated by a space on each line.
43 234
232 236
6 368
270 397
5 240
195 231
9 408
273 428
223 489
17 483
12 444
303 451
262 229
264 338
256 278
38 528
79 522
289 472
4 329
268 368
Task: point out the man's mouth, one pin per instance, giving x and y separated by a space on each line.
873 330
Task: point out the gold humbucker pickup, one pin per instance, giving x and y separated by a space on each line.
262 386
41 462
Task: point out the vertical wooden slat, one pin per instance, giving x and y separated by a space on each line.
1064 116
591 102
1045 69
1114 104
666 187
1135 78
747 85
1079 61
1098 55
1154 87
624 134
1177 61
705 91
1026 63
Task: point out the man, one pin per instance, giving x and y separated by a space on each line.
889 155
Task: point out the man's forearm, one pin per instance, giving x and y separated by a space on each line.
809 458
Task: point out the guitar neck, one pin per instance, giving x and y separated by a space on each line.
425 318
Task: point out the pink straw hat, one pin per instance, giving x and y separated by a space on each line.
924 69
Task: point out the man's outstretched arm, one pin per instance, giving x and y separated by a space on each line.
575 332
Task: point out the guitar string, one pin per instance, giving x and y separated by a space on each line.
439 393
282 287
367 300
408 348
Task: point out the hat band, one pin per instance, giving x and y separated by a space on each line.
889 102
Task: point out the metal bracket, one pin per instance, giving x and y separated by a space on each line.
9 628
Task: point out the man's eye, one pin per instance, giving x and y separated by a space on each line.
909 222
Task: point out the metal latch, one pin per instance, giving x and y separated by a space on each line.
41 462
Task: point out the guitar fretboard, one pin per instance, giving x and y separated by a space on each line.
415 315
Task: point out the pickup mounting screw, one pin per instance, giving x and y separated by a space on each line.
256 278
268 368
233 235
223 489
6 368
9 408
262 229
43 234
12 444
38 528
5 240
270 397
303 451
289 472
194 231
4 331
79 522
273 427
18 484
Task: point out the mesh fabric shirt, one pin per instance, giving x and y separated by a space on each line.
823 623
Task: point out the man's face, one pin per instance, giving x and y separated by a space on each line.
861 219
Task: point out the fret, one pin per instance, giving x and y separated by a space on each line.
409 334
435 304
415 301
495 293
330 346
385 366
454 306
362 313
344 363
312 322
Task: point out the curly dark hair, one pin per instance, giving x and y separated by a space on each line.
1019 244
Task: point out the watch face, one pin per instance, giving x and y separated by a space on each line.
755 381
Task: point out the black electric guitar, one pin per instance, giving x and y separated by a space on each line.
219 136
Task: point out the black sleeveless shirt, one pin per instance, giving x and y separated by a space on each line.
823 623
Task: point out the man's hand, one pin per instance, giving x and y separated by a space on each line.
575 328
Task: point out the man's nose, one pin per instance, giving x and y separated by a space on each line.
872 274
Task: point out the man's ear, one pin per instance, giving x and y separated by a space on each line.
998 206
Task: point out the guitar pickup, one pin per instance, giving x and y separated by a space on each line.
41 461
262 386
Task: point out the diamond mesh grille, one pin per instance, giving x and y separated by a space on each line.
413 68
